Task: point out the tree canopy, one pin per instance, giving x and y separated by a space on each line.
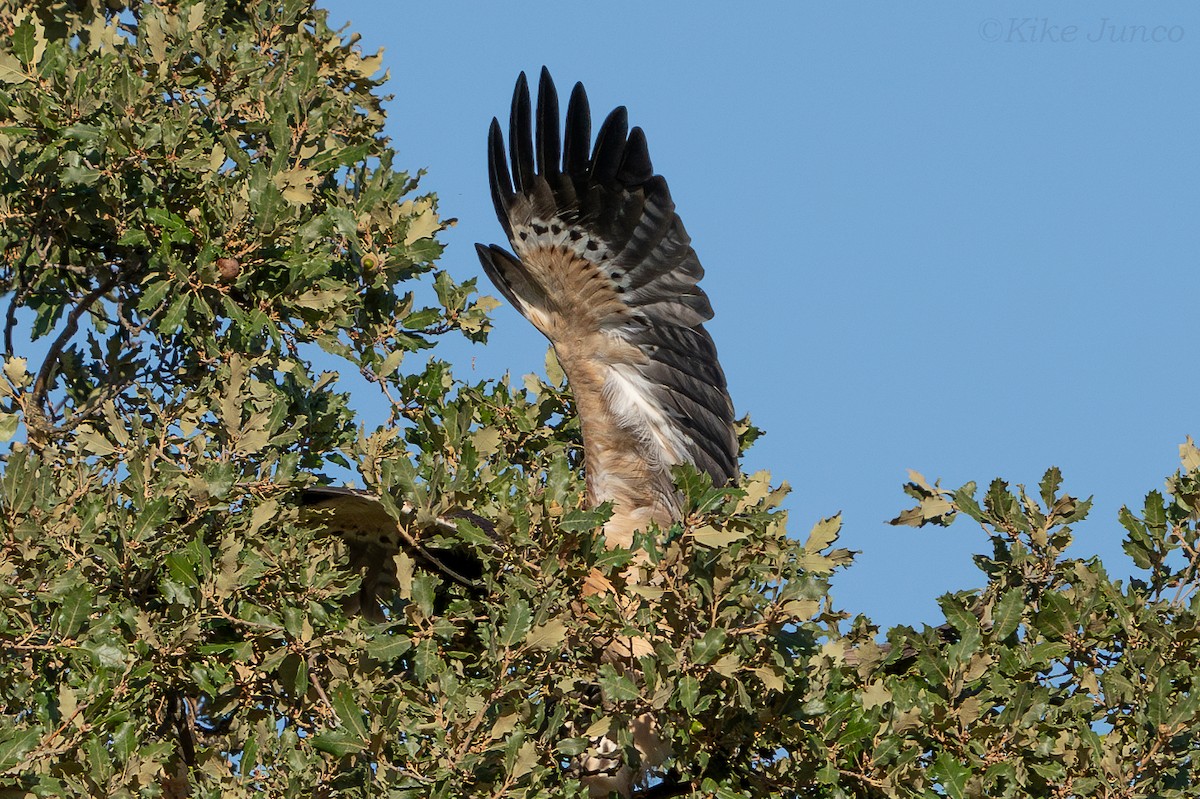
196 197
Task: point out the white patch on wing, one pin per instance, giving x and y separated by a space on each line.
631 398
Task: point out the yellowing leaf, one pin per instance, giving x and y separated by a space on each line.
875 695
367 66
600 726
423 220
153 26
17 371
391 363
227 576
296 185
977 667
504 725
919 479
92 442
770 680
533 385
8 425
713 538
801 608
547 636
404 574
195 17
1189 455
11 69
554 372
757 486
102 34
727 665
968 711
823 534
645 591
216 159
835 651
486 303
254 433
935 507
321 299
298 195
486 440
526 759
264 513
67 704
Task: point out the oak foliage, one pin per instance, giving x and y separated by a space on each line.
197 197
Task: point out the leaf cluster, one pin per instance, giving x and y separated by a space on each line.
1052 680
179 181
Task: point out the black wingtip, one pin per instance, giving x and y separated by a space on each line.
610 145
577 141
548 142
487 258
497 164
489 268
498 177
636 167
496 261
520 135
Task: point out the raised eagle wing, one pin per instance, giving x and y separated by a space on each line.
604 268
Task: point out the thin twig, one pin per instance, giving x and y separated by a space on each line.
45 375
312 676
20 292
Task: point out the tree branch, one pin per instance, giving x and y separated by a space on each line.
670 786
18 295
43 424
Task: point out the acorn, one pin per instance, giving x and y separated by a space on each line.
228 269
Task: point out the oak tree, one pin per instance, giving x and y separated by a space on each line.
197 204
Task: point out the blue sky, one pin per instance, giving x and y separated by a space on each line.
953 237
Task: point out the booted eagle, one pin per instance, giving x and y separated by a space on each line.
602 266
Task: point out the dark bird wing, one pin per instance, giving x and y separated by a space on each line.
604 268
373 537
